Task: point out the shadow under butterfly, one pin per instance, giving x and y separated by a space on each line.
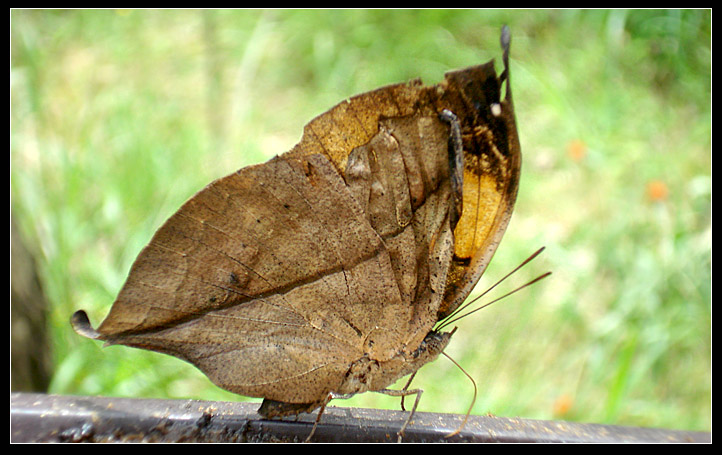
323 272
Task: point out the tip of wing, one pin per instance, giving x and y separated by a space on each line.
81 325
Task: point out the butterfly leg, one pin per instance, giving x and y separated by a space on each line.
456 164
329 397
404 393
406 387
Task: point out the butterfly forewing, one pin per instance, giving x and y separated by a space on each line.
492 166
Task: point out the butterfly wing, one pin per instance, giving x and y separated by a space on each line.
258 280
275 279
492 167
491 154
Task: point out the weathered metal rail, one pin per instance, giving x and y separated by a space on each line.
58 418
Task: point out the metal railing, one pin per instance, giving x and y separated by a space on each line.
60 418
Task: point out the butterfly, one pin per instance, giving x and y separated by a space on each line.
323 272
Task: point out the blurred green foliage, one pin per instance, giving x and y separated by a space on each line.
118 116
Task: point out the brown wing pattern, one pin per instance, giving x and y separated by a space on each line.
275 279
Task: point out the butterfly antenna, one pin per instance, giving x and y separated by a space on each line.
453 316
540 277
466 418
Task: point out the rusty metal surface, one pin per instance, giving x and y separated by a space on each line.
56 418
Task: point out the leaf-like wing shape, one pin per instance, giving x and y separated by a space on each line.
277 279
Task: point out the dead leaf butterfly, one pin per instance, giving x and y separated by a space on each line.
323 272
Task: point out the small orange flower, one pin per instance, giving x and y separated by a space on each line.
657 190
577 150
562 405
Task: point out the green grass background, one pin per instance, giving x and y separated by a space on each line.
118 116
